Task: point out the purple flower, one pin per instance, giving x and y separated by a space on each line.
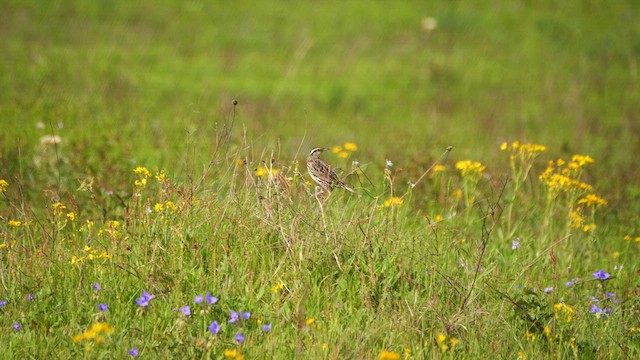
548 289
96 286
103 307
210 299
198 299
214 328
515 244
17 326
266 327
601 275
133 352
30 297
595 309
594 299
239 338
246 315
610 294
186 310
234 317
3 303
145 298
570 282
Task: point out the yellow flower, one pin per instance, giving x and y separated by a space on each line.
160 175
637 239
141 170
530 336
457 193
311 322
589 227
94 332
71 216
140 183
393 201
453 341
439 168
263 171
171 206
565 309
325 346
343 154
503 146
627 238
349 146
470 168
438 218
3 185
2 246
575 219
158 207
388 355
277 287
407 353
336 149
522 355
233 354
616 254
592 200
441 338
14 223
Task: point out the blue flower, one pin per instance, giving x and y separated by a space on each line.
594 299
145 298
234 317
30 297
96 286
515 244
239 338
133 352
246 315
610 294
103 307
548 289
601 275
214 328
186 310
3 303
594 309
198 299
266 327
17 326
570 282
210 299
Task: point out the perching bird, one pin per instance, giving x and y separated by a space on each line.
322 173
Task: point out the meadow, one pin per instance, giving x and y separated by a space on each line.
156 202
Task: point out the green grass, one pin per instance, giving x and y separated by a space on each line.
139 84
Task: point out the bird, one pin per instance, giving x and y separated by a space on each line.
322 173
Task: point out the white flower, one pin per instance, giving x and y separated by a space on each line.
389 163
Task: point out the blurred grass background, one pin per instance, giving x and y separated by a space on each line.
147 82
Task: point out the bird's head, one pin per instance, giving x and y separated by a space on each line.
317 151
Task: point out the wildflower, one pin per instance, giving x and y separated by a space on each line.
627 238
470 168
144 300
263 171
589 227
610 294
389 163
601 275
239 338
355 163
599 312
3 185
388 355
93 333
439 168
522 355
133 352
234 317
170 205
141 170
50 140
103 307
246 315
548 289
96 286
198 299
266 327
71 216
349 146
277 287
547 331
336 149
570 282
158 207
393 201
214 328
565 309
530 336
210 299
592 200
233 354
30 297
515 244
3 303
17 326
186 310
14 223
